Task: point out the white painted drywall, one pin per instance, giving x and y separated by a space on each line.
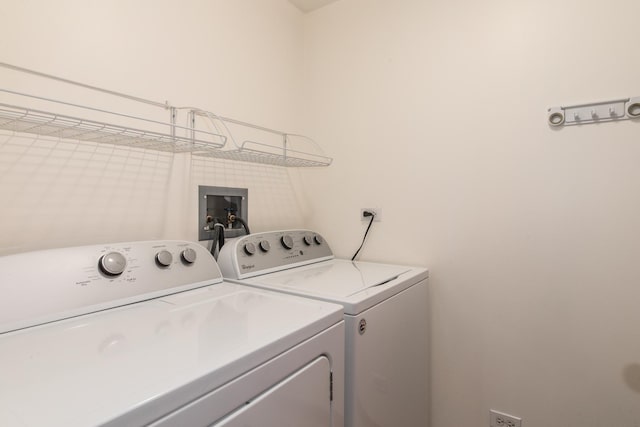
435 112
310 5
241 59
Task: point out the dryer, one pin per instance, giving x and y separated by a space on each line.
385 313
148 333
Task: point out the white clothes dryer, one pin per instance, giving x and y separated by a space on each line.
385 313
148 333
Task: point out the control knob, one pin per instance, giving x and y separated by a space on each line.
264 246
287 241
188 255
318 239
307 240
249 248
112 264
164 258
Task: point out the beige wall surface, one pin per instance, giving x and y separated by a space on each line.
435 112
240 59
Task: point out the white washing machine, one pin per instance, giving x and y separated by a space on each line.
148 333
385 312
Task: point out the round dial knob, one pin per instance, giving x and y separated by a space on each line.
249 248
307 240
189 256
318 239
164 258
112 264
287 241
264 246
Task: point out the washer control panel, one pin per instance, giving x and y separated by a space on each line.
52 284
271 251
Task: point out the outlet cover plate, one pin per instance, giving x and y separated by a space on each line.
500 419
377 211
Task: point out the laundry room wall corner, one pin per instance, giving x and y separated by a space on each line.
59 192
436 112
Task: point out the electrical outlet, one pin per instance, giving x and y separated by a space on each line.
376 211
500 419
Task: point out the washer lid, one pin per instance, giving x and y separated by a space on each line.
334 278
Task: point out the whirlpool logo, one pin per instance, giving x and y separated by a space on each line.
247 267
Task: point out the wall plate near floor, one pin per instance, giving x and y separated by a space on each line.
500 419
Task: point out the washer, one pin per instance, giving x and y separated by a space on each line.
385 312
148 333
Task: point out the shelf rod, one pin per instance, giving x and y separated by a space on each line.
92 109
164 105
238 122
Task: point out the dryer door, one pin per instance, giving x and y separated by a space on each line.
302 399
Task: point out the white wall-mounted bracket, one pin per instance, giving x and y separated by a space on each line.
596 112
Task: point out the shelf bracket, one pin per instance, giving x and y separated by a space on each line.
174 119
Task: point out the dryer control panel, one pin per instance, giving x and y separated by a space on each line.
44 286
266 252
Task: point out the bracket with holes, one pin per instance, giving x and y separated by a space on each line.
595 112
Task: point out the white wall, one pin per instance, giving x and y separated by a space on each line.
435 112
240 59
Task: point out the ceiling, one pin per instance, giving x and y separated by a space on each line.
310 5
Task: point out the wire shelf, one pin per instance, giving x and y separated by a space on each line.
255 152
275 147
37 122
276 153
